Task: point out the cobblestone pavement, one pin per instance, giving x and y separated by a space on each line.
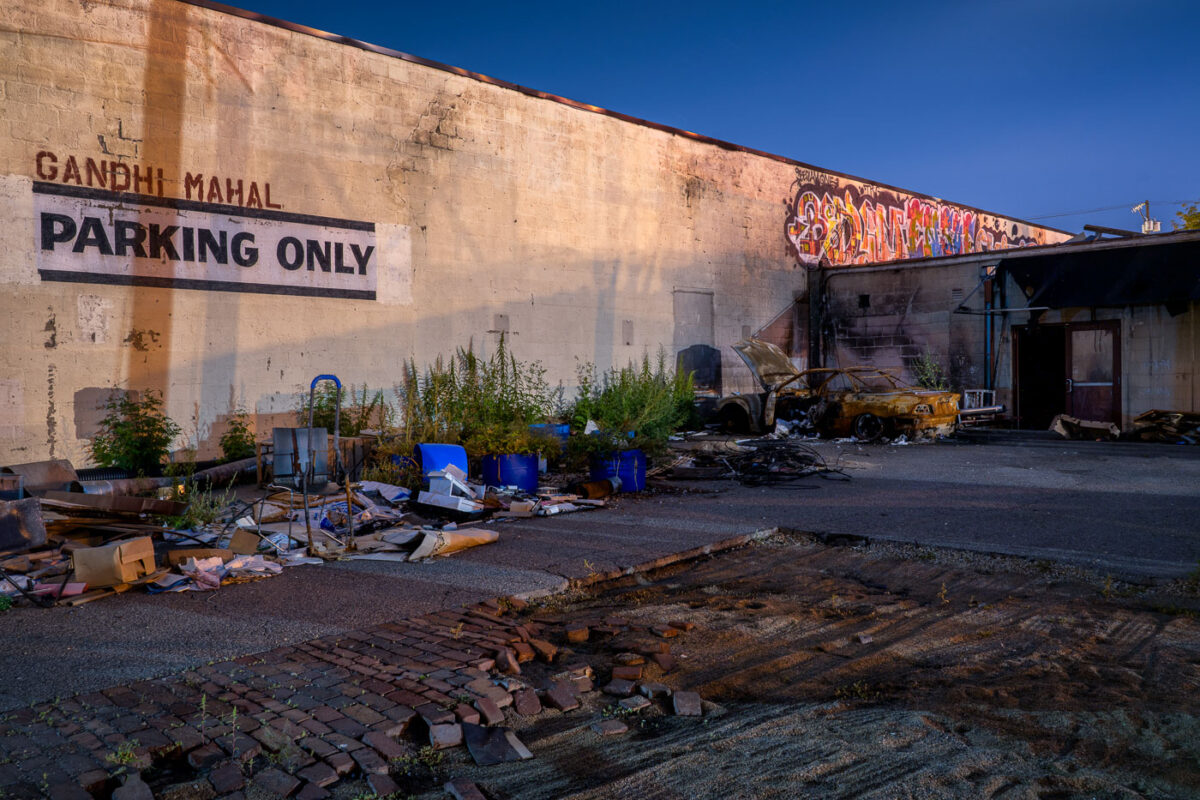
295 720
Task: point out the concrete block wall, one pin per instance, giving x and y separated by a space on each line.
891 317
493 210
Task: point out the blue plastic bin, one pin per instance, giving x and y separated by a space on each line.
436 457
628 465
511 470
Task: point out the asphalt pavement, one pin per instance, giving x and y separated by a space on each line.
1127 509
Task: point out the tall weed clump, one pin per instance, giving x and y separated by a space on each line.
135 434
485 404
360 408
635 406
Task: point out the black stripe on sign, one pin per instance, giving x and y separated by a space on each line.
63 276
88 193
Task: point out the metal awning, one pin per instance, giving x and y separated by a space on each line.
1142 274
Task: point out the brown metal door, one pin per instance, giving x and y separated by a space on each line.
1094 371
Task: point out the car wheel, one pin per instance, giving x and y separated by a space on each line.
867 427
734 419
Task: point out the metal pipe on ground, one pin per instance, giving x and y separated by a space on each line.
981 411
56 474
219 474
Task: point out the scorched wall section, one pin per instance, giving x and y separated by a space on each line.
223 208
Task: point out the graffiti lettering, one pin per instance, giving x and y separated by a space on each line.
836 221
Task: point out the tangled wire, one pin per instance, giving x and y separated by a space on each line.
775 462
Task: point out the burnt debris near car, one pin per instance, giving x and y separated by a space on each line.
864 402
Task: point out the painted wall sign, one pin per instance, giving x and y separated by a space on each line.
839 221
87 235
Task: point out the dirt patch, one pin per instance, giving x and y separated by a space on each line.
880 671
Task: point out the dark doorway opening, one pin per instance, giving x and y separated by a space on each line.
1041 360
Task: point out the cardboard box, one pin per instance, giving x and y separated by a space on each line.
244 542
180 555
116 563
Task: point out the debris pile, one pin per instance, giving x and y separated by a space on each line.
757 462
71 547
1171 427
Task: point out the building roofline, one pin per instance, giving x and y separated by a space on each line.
425 62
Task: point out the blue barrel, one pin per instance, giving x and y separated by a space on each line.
436 457
560 432
512 470
628 465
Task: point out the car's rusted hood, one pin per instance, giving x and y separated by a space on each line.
768 363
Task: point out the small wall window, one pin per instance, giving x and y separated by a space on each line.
864 301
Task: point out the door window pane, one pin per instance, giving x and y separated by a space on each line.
1092 356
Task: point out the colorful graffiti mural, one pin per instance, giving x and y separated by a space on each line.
836 221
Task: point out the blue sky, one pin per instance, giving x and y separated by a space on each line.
1029 109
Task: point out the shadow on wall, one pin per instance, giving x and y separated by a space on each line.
378 357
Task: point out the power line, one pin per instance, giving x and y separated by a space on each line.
1110 208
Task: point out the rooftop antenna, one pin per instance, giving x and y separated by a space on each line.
1148 225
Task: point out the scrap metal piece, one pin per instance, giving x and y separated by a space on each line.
21 525
39 475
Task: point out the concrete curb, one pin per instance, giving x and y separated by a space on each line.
673 558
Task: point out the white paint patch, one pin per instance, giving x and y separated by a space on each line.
395 279
17 264
89 236
12 409
94 315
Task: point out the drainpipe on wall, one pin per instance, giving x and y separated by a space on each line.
988 276
816 315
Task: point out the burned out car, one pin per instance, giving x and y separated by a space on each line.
865 402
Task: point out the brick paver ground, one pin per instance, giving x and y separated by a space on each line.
294 720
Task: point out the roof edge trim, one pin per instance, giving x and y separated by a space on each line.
697 137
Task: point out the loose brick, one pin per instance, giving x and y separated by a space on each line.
205 756
499 696
245 748
665 631
341 763
627 673
665 661
491 713
507 662
545 651
227 778
382 785
320 774
526 702
465 713
634 703
388 748
629 659
653 689
576 633
435 715
561 695
524 652
610 727
687 704
369 761
682 625
619 687
348 727
447 735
